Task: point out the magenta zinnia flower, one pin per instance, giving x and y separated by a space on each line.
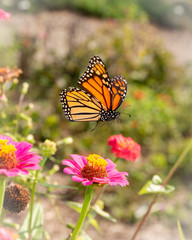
16 157
4 15
124 147
94 169
6 234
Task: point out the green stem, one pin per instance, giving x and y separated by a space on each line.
2 217
178 162
170 174
1 94
2 192
1 89
87 201
32 199
99 193
21 98
31 205
93 214
115 161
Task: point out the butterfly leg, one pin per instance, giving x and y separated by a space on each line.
95 126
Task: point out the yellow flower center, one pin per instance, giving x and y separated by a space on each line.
8 158
95 167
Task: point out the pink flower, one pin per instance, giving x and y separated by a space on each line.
124 147
16 157
5 234
94 169
4 15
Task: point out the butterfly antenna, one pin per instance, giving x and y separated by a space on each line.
120 120
126 114
108 124
103 124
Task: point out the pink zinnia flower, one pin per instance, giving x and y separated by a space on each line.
16 157
5 234
94 169
4 15
124 147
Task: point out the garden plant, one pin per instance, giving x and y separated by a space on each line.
32 154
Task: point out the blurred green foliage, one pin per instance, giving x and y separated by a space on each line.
131 50
154 101
100 8
166 13
158 100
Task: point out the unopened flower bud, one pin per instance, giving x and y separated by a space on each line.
31 106
54 169
48 148
15 81
30 138
25 88
4 98
29 123
67 140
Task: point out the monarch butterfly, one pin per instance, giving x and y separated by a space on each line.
98 98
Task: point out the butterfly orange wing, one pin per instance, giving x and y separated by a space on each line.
99 96
119 91
96 81
79 105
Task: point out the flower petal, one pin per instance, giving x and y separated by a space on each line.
110 166
77 178
6 138
9 173
86 182
104 180
81 160
68 170
72 164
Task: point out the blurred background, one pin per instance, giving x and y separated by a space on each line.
150 45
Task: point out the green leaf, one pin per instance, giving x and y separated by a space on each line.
156 180
180 231
57 186
37 224
11 225
74 205
46 235
95 224
154 186
84 236
70 226
102 213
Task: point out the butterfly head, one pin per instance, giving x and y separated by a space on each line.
109 115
